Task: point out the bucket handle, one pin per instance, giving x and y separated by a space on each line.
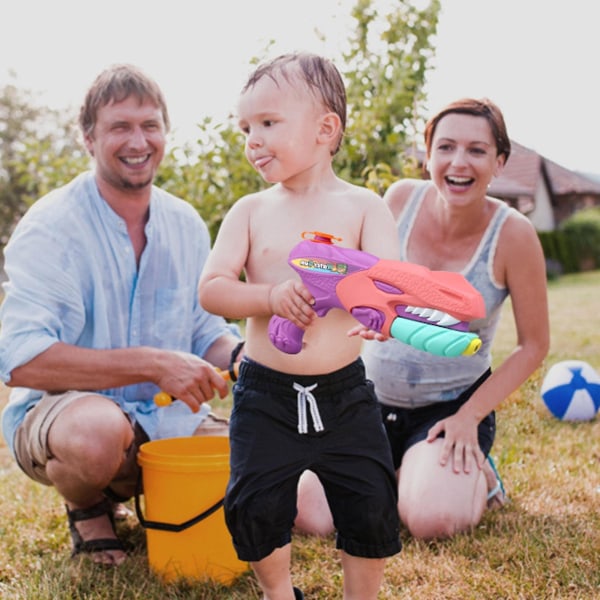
171 526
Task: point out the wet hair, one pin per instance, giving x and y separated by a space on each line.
115 84
478 108
320 75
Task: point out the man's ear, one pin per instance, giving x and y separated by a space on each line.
89 143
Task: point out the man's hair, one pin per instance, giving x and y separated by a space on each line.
319 74
478 108
115 84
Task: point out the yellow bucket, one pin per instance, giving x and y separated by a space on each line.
184 481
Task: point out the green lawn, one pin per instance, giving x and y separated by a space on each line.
545 544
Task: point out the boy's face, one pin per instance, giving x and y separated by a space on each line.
128 143
281 123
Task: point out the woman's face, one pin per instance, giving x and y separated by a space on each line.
463 157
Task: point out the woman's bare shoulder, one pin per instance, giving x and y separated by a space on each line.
399 192
517 224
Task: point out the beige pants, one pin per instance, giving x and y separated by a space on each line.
31 439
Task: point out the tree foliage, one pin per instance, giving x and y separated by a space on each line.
212 173
39 150
390 51
388 54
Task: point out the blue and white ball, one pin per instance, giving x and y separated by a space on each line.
571 391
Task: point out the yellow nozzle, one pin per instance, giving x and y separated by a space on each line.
472 348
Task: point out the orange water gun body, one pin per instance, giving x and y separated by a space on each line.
429 310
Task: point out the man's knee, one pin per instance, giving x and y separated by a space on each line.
213 425
91 429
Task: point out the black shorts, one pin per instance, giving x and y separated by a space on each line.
282 425
407 426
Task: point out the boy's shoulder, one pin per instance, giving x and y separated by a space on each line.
264 195
355 193
360 190
248 202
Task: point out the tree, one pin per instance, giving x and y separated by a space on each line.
389 54
212 173
39 150
15 111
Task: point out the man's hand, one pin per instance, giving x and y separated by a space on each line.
189 378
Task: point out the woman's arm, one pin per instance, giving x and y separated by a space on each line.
520 252
523 268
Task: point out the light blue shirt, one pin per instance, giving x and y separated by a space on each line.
73 278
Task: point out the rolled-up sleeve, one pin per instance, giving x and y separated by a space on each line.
38 295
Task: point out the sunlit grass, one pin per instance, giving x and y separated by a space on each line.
545 544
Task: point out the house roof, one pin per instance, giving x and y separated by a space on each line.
523 169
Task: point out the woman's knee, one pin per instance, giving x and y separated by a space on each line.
436 523
314 516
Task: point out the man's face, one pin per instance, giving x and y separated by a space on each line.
128 143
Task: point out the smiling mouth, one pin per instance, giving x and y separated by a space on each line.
464 181
135 160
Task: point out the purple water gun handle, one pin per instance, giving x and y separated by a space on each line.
316 260
284 335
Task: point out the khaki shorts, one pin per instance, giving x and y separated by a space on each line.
31 439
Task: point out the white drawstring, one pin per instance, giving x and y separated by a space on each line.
304 396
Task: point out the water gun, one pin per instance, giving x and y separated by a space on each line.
429 310
163 399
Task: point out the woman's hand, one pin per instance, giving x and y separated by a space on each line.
460 442
367 334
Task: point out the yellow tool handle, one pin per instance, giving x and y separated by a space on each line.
164 399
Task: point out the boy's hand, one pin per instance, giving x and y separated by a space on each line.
292 300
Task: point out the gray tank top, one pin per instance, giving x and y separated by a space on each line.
407 377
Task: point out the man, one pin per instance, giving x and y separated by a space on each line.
101 312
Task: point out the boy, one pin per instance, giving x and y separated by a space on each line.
293 111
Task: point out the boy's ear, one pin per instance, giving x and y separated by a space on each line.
329 128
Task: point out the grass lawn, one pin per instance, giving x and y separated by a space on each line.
545 544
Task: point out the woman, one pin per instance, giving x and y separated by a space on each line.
439 411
